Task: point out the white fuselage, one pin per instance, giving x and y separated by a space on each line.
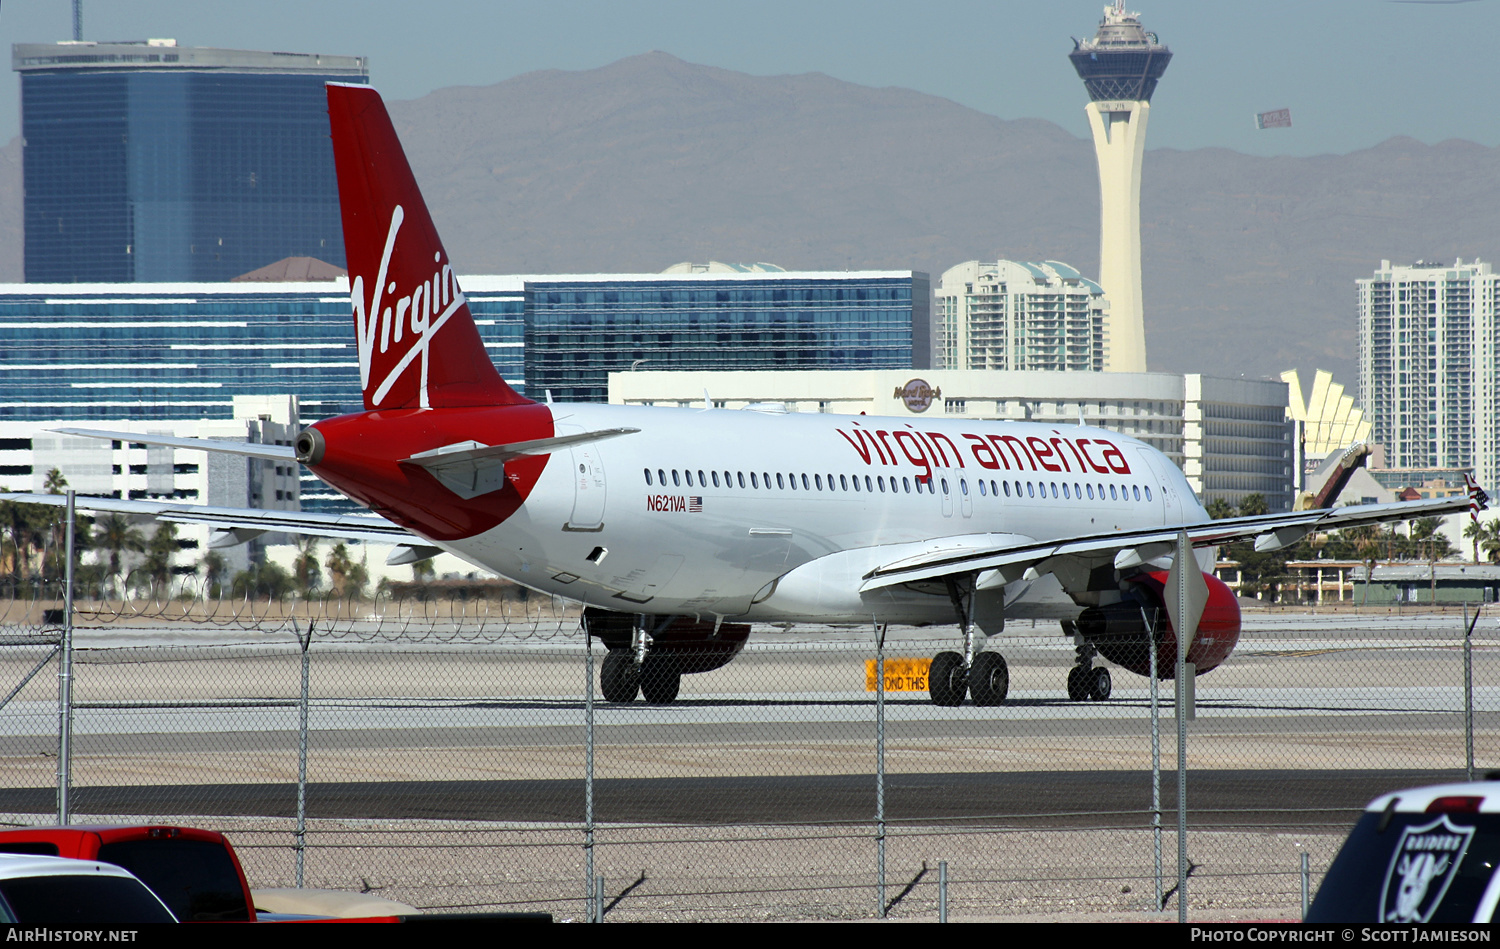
776 517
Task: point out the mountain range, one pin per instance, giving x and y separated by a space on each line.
1248 264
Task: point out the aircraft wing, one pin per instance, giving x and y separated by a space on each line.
236 525
1008 563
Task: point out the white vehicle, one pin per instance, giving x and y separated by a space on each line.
678 527
56 891
1424 855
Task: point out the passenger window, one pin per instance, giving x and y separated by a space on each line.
676 480
963 486
994 488
1137 490
1091 491
688 476
716 479
648 477
1006 486
844 482
1077 491
818 480
1054 489
1065 491
945 486
856 483
1148 492
906 483
1112 495
754 481
779 483
982 489
742 478
766 477
869 485
805 485
728 481
1030 491
661 477
702 481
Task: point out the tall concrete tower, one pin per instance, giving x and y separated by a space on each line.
1120 67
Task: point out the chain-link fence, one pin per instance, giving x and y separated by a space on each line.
458 754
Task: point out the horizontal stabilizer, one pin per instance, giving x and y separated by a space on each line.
277 452
230 523
470 469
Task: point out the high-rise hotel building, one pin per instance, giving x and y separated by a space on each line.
1014 315
149 161
1428 364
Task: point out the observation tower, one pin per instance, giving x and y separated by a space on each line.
1120 67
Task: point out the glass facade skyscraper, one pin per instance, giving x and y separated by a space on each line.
174 354
579 329
153 162
182 351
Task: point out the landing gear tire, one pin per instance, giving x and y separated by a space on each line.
947 679
619 679
660 679
1080 683
989 679
1100 687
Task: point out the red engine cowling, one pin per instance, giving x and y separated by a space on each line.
1119 630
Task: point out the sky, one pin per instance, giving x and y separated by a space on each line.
1353 72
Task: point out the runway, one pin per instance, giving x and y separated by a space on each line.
1262 800
1312 717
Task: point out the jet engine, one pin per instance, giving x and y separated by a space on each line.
1120 630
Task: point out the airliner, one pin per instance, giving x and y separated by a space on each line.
678 528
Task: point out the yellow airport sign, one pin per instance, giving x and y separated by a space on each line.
901 675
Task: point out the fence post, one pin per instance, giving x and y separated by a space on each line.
1306 884
1469 688
301 832
880 770
65 682
1155 752
592 887
942 891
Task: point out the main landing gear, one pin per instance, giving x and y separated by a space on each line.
655 675
648 655
1086 682
982 675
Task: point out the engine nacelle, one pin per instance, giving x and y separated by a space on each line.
694 646
1120 633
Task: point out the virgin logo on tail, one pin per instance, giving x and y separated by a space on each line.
408 321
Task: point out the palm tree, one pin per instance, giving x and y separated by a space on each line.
305 569
55 482
115 534
214 567
1490 541
347 578
1218 509
159 554
1475 532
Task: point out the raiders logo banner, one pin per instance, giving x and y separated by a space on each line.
1423 865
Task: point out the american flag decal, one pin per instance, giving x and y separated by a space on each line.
695 505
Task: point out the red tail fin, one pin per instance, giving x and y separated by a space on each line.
418 346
